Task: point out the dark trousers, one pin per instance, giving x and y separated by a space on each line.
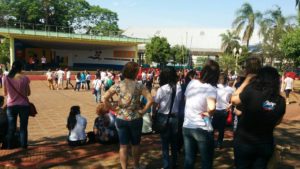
69 83
88 84
198 139
76 143
77 87
180 134
219 123
168 138
12 114
252 156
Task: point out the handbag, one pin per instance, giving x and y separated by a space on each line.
32 109
160 121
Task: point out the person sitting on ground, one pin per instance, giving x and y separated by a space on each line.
3 121
76 125
104 128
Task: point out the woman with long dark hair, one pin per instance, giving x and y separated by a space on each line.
76 125
17 89
200 106
168 97
263 109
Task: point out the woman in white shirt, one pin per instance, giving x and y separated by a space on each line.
200 105
224 93
288 84
97 84
168 91
76 125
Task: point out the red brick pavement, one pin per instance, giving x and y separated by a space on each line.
47 133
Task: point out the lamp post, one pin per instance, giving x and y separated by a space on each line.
237 53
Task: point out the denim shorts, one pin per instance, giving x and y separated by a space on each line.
129 131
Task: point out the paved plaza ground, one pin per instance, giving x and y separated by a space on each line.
48 149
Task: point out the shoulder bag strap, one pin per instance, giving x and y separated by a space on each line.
172 101
13 87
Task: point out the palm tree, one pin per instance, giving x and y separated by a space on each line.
245 20
229 41
272 28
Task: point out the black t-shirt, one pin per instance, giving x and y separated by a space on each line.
259 117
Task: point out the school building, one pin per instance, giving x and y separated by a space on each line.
61 49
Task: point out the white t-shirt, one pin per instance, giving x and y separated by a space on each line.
49 75
97 84
68 74
163 98
223 96
196 95
103 75
43 60
6 73
144 76
88 77
289 83
78 133
60 74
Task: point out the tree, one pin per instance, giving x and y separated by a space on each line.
158 50
229 41
4 51
272 28
290 46
227 62
245 20
180 54
101 21
298 6
59 15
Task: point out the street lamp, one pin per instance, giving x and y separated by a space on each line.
237 53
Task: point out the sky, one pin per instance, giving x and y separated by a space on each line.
185 13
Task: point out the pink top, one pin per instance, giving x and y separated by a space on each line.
14 98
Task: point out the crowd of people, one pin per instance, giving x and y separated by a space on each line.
188 105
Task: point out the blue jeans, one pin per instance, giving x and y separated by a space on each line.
98 95
219 123
169 138
12 113
129 131
254 156
77 86
203 141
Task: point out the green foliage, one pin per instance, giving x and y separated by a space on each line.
102 21
158 50
180 54
273 26
290 46
69 15
229 41
227 62
4 51
200 61
245 21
